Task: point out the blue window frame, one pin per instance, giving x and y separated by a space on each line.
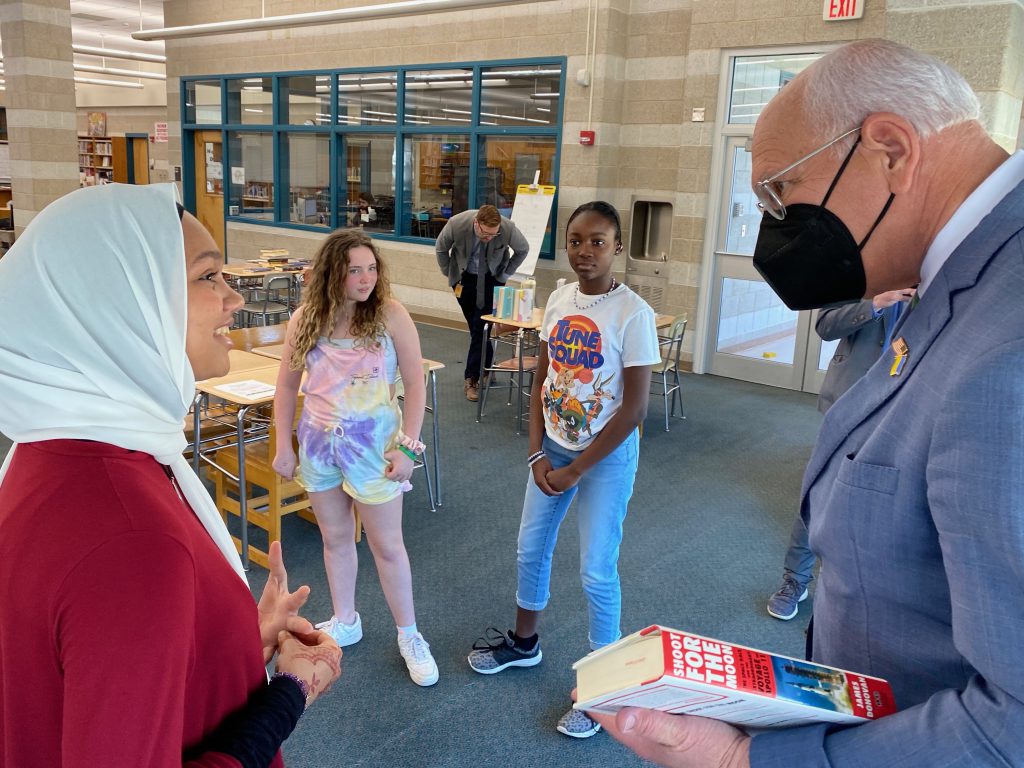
395 150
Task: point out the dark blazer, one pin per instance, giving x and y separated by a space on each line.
455 245
861 336
914 502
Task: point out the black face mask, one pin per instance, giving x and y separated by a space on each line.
809 258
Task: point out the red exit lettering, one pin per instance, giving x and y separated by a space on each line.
835 10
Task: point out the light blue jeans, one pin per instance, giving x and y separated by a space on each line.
603 494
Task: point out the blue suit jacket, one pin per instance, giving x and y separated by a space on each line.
914 499
860 335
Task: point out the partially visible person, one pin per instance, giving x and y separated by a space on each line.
473 253
600 345
914 495
864 331
354 341
128 634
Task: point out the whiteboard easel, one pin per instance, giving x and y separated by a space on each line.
530 214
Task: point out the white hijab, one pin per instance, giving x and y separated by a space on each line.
93 302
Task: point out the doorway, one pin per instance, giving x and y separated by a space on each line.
751 334
138 158
209 183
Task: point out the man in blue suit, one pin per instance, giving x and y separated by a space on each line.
864 331
914 495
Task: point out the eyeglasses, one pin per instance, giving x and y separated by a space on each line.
483 233
769 198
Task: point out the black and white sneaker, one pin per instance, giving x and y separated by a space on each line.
578 724
497 650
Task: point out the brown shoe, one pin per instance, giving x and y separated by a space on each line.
472 390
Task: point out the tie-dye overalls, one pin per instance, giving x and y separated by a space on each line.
348 421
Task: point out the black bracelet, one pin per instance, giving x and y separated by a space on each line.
534 458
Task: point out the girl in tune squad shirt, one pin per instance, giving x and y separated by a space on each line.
598 343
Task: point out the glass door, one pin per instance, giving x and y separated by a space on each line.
753 335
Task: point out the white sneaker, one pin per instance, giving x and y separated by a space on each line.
416 652
343 634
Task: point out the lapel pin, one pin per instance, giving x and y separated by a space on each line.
900 351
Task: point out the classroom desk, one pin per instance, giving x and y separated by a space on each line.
660 321
266 375
273 351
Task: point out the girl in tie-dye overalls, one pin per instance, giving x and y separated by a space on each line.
353 340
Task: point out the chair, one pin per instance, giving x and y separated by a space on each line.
671 344
248 339
279 498
522 341
424 460
272 301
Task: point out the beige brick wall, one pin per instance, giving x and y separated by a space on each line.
656 61
40 101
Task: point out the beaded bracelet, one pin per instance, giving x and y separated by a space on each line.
303 686
407 452
534 458
416 446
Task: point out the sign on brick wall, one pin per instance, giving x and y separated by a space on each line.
160 132
841 10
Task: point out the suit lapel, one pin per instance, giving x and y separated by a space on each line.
918 329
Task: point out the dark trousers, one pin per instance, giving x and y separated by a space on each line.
472 313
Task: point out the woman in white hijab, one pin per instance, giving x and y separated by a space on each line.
127 636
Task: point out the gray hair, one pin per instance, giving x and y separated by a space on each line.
868 76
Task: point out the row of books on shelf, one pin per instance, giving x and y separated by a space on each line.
91 147
94 161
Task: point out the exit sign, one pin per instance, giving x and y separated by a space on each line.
841 10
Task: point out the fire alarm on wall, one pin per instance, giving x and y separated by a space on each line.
587 138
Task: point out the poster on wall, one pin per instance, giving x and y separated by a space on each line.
238 174
97 124
160 133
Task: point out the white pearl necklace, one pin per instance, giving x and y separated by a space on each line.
605 295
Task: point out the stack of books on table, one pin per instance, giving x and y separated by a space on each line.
274 255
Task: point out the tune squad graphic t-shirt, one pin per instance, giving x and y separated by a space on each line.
588 347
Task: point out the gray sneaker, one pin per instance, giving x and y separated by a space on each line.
497 650
785 603
578 724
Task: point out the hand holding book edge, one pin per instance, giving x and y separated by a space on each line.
678 741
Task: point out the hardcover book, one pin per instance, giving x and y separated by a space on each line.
682 673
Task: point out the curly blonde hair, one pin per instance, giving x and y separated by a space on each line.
324 296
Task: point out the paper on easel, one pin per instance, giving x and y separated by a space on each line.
530 213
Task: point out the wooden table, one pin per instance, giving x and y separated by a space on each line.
274 351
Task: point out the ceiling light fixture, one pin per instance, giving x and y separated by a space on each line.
114 83
316 18
120 72
114 53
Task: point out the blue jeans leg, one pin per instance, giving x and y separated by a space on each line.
604 494
602 503
538 534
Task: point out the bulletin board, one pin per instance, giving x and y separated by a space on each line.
530 214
